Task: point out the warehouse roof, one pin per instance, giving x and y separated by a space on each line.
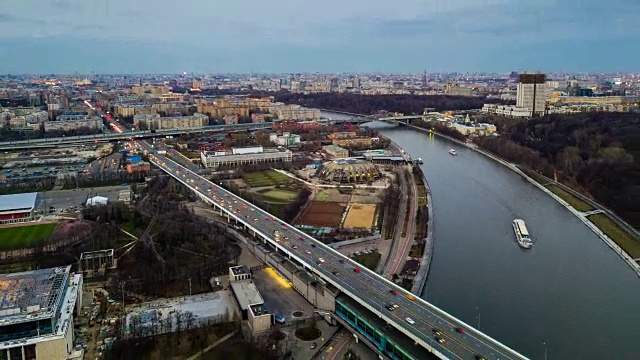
246 293
25 201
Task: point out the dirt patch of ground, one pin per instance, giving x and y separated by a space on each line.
321 213
360 216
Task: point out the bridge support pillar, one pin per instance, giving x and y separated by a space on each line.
356 338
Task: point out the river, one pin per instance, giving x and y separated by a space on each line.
569 290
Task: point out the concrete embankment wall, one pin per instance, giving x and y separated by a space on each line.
420 280
628 259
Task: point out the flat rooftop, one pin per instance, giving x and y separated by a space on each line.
26 201
259 310
246 293
28 295
239 270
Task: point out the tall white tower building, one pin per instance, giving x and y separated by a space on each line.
532 93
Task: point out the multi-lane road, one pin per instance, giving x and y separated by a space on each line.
414 317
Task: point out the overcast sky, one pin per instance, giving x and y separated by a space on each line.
152 36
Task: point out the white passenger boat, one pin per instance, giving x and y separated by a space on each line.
453 152
522 234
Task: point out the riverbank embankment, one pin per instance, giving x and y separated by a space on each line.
607 240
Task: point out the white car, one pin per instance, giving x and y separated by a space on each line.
321 260
410 321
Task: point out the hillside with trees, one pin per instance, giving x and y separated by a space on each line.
598 153
370 104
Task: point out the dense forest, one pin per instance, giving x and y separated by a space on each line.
370 104
599 153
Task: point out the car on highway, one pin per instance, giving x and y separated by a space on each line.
441 340
437 332
480 357
393 292
410 320
321 260
356 270
308 252
460 330
334 273
411 297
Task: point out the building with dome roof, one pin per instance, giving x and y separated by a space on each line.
349 171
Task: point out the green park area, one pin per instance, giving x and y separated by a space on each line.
570 199
370 260
265 178
630 245
16 237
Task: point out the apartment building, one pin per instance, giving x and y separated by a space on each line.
154 121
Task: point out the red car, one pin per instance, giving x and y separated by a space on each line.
393 292
356 270
460 330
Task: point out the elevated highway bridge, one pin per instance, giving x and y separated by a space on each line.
425 326
131 135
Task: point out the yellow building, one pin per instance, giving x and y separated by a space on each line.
355 141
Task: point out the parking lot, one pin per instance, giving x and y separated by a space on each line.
66 199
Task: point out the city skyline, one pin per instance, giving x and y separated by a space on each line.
68 36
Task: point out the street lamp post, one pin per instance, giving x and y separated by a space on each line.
546 352
478 310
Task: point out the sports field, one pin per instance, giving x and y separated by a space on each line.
360 216
16 237
278 195
265 178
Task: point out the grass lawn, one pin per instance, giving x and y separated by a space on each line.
572 200
323 195
278 195
369 261
16 237
617 234
265 178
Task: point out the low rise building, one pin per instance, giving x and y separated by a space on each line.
295 125
244 156
240 272
355 141
286 139
342 135
336 152
257 118
142 166
231 119
74 122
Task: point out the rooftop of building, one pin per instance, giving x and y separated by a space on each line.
96 254
240 269
28 295
246 293
68 297
334 148
259 310
18 201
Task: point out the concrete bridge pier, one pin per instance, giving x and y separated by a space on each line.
355 336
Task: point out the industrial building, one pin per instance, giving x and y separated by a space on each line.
18 208
245 155
249 300
336 152
36 313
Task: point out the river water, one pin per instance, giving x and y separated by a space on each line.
569 290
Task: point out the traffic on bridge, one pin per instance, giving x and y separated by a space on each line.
425 324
